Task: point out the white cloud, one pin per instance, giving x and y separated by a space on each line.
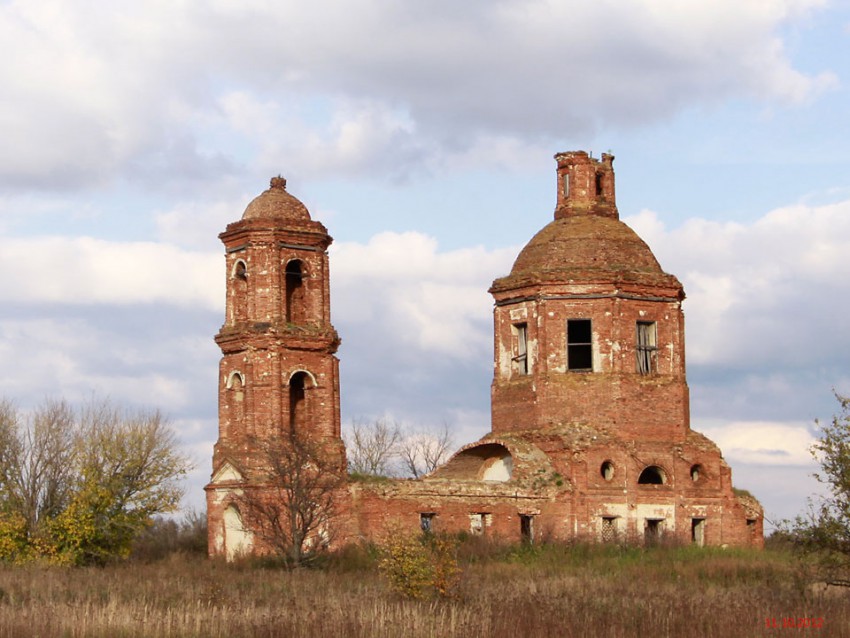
150 359
84 270
402 287
131 88
87 91
197 224
770 293
761 442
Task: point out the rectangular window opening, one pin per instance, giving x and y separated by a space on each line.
521 359
477 523
609 529
579 345
698 531
647 347
526 528
652 530
426 521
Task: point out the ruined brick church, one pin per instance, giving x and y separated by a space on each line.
591 436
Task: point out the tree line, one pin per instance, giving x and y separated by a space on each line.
78 485
386 448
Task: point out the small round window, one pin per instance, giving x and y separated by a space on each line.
696 472
607 470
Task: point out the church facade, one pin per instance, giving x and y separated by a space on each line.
590 436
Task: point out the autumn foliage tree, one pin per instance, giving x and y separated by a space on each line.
77 486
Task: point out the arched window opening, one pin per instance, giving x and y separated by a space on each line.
298 408
238 302
607 470
652 475
240 270
294 276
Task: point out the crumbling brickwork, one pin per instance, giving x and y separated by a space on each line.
591 433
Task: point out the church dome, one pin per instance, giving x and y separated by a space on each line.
276 203
586 243
587 248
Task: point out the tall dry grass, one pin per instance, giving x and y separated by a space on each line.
510 592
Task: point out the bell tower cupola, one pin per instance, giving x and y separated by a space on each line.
279 375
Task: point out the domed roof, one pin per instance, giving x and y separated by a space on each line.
276 203
586 248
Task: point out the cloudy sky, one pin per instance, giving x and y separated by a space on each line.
422 135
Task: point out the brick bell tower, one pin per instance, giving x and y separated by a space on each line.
588 328
278 373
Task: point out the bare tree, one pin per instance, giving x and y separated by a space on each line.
293 505
85 483
372 447
47 467
421 451
37 456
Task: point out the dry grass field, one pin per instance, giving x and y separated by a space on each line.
546 591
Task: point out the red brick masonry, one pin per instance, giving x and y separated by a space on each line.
591 433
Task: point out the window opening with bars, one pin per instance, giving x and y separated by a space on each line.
521 358
609 529
647 347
